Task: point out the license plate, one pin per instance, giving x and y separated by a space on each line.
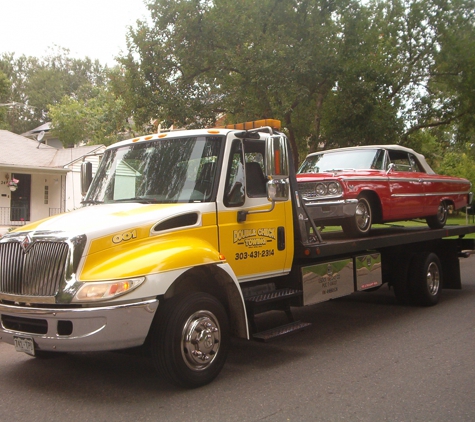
24 344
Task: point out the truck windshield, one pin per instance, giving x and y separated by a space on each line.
160 171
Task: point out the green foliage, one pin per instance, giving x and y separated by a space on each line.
4 96
336 73
96 120
458 163
38 83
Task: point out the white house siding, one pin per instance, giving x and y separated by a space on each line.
46 201
73 182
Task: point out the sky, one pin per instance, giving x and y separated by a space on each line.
93 28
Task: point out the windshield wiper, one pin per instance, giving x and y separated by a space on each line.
338 169
141 199
91 201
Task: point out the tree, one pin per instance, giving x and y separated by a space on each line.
37 83
335 72
4 99
100 119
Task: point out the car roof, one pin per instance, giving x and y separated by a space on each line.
394 147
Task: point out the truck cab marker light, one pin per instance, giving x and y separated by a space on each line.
105 290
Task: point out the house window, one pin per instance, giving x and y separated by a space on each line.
46 194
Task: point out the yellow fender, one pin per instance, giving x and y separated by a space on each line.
148 256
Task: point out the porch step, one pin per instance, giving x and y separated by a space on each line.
280 331
273 296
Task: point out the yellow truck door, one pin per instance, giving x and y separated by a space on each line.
256 245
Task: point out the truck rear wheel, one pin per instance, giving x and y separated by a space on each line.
425 278
190 339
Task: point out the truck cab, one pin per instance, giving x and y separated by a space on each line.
166 215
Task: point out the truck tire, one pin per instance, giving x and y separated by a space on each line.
190 339
425 279
360 224
438 221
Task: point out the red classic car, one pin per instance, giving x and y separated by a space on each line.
358 186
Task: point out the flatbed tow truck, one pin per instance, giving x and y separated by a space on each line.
184 238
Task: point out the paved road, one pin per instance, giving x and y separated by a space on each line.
363 359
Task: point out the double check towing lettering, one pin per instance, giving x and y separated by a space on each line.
184 238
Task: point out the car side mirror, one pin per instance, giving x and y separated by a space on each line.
390 168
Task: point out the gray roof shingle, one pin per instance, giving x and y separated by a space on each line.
16 150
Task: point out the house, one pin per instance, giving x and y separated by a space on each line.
48 177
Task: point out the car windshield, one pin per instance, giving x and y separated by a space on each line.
161 171
343 160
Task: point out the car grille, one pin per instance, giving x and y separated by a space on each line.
37 272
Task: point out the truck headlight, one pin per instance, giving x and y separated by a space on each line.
104 290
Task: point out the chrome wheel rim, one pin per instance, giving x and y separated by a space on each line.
442 213
200 340
362 216
433 278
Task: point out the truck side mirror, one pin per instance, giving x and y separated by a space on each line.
277 157
277 168
278 190
86 176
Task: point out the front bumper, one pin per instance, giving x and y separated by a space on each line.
102 328
331 209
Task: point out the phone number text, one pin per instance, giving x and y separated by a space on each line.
254 254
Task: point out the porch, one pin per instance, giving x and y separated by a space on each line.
13 217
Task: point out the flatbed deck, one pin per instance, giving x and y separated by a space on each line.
338 244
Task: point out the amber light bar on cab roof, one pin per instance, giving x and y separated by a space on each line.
273 123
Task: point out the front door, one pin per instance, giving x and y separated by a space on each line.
406 186
20 198
256 245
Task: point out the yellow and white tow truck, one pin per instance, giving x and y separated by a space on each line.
185 237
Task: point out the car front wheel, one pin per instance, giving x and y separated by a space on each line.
360 223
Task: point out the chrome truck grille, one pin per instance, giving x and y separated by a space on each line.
35 272
37 265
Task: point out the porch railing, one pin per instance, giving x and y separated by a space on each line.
12 216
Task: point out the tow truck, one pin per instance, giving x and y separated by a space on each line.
186 239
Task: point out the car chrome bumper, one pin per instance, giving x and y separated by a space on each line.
332 209
87 329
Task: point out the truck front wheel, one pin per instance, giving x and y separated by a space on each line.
190 339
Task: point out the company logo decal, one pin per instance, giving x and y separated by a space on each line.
124 237
26 244
254 237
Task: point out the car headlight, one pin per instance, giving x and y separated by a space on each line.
103 290
333 188
321 189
